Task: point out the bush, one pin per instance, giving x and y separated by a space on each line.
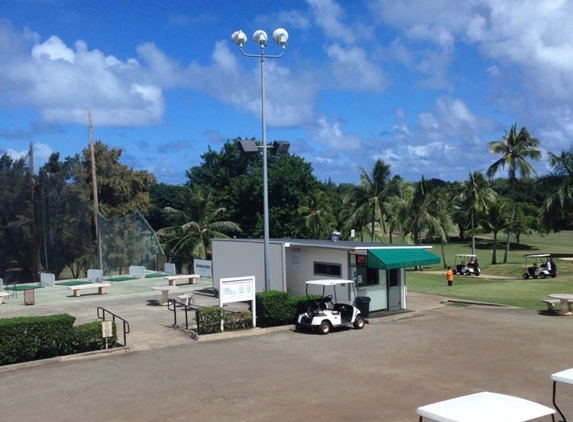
32 338
276 308
209 320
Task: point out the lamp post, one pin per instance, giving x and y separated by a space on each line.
260 37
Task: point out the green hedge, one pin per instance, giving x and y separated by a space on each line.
276 308
26 339
209 320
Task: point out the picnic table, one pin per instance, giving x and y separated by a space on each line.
484 406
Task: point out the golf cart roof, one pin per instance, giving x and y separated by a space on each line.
538 255
471 255
328 282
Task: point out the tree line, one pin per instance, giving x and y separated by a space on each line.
47 219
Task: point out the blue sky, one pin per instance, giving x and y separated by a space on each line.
422 84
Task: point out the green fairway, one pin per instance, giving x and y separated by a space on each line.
514 291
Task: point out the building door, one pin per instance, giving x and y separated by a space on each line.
394 291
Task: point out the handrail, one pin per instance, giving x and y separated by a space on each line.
126 330
172 305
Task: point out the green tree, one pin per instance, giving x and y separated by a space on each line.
194 226
65 229
370 196
16 217
316 212
493 220
120 188
236 183
515 150
558 206
475 196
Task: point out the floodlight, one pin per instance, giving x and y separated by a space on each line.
280 35
260 37
239 38
280 147
248 147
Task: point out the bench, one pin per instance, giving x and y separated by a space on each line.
551 304
3 295
172 279
99 286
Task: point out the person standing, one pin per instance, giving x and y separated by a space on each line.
450 276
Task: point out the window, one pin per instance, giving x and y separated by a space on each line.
333 270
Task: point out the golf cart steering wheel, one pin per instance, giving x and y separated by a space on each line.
329 298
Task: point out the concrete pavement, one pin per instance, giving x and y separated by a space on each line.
381 373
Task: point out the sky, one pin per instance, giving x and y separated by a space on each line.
424 85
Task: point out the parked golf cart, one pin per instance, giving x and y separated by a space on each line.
466 264
536 266
326 313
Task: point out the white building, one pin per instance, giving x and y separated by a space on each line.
378 269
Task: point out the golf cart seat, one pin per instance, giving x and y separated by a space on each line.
345 310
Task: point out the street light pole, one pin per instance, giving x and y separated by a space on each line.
260 37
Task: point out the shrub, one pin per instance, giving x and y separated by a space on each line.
32 338
209 320
276 308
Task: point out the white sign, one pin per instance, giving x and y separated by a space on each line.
236 289
106 329
203 267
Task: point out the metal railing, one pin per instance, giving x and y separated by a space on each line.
173 305
101 314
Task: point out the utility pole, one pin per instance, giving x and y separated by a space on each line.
94 184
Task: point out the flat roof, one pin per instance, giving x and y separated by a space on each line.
330 244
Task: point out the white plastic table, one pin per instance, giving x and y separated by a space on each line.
565 377
165 292
482 407
564 298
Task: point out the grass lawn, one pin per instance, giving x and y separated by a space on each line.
515 291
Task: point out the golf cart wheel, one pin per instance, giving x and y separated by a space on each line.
525 276
324 327
359 323
543 275
468 272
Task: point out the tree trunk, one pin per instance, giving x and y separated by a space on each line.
494 249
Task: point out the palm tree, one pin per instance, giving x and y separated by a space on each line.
515 149
316 212
195 226
476 195
561 200
371 192
494 220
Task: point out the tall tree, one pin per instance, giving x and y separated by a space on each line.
515 150
120 188
558 206
493 220
475 196
371 195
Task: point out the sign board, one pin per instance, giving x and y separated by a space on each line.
203 267
106 329
236 289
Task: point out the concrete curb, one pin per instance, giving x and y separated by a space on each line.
68 358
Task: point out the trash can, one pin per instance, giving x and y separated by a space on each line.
29 297
363 304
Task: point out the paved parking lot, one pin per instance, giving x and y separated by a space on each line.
381 373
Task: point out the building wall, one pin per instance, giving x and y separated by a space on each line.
300 265
239 258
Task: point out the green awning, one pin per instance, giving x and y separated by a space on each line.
388 259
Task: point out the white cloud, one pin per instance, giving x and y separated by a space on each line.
63 83
332 136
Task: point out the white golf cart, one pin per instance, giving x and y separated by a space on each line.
466 264
326 313
536 266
